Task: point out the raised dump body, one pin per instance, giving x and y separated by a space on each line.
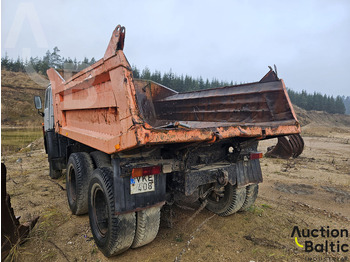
254 109
129 146
104 107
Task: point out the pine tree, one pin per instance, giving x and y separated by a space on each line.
68 64
5 62
346 101
146 73
135 71
339 105
55 60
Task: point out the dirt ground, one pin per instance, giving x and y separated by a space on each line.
310 192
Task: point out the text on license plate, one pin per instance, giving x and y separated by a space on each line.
142 184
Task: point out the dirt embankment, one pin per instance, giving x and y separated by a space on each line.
322 124
17 98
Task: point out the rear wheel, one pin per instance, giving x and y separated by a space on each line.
79 169
113 233
147 226
228 202
100 159
251 195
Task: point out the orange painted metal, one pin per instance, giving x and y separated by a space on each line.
104 107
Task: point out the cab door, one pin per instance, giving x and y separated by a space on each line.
48 110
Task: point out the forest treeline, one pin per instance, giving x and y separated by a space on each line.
41 65
319 102
180 83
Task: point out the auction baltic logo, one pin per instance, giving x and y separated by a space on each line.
332 240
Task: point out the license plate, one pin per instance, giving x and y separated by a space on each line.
142 184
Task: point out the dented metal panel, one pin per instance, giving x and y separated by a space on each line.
248 105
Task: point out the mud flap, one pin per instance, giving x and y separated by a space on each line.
241 174
126 202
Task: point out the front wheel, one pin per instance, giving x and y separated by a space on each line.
113 234
228 202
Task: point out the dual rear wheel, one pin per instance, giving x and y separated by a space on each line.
232 199
89 185
114 233
91 190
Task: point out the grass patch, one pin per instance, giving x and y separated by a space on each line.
94 250
13 139
266 206
45 230
51 255
15 252
256 210
179 238
49 221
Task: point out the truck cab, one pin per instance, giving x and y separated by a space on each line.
54 143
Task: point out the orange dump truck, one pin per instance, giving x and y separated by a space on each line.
129 145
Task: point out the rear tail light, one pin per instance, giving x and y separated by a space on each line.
255 155
146 171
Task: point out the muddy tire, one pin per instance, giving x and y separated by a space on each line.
113 234
79 170
251 195
100 159
54 174
147 226
231 202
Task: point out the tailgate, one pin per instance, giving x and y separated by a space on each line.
261 109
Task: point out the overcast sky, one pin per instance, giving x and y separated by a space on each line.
230 40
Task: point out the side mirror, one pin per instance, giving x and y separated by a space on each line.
38 105
37 102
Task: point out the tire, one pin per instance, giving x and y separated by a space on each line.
113 234
79 170
230 203
147 226
251 195
54 174
100 159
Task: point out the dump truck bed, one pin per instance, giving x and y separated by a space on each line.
104 107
